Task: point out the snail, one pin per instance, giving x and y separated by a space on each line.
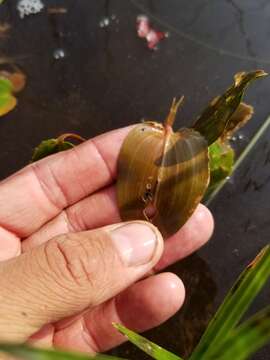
163 175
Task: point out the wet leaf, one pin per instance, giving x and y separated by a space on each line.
150 348
221 153
32 353
221 160
49 147
217 116
7 100
236 303
52 146
9 84
245 340
162 175
17 79
238 119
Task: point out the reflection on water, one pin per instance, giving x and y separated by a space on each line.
104 22
59 53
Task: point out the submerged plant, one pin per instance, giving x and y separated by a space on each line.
163 175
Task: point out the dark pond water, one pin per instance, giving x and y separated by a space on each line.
87 77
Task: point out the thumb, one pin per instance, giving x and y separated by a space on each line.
72 272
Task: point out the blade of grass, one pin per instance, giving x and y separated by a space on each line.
150 348
239 298
241 158
244 340
29 353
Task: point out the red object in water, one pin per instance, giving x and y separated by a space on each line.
143 26
152 36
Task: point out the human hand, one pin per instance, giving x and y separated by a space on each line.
69 267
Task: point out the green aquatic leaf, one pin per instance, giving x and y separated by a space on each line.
221 153
5 85
221 161
217 116
236 303
31 353
52 146
7 100
244 154
9 84
150 348
49 147
245 340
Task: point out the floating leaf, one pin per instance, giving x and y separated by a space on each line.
217 116
236 303
31 353
52 146
150 348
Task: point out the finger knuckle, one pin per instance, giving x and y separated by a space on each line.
80 260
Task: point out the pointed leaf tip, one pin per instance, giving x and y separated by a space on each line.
215 119
150 348
244 76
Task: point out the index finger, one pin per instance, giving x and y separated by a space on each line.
40 191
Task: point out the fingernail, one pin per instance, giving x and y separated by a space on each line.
136 243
